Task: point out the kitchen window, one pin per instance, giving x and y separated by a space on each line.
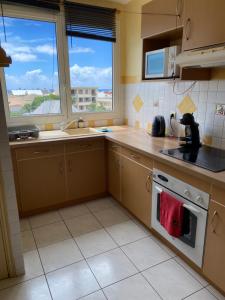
46 83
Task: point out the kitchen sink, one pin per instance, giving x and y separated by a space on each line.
81 131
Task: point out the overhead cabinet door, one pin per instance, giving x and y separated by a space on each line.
203 23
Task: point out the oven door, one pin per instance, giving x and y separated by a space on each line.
192 242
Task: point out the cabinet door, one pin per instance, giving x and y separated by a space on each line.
136 189
159 16
86 174
203 23
3 265
41 182
114 174
214 260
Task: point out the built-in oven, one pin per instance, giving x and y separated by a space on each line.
195 203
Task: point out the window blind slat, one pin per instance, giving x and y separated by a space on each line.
49 4
90 21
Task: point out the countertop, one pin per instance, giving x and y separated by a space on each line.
136 139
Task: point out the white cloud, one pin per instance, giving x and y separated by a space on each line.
46 49
91 76
23 57
81 50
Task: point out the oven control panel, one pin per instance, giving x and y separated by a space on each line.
182 188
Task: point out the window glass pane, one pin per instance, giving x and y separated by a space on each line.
91 78
32 79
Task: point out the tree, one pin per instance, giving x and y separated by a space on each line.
96 107
27 108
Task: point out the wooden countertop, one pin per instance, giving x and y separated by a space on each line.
136 139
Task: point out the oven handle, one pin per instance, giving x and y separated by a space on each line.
189 207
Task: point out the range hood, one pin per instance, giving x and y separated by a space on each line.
204 58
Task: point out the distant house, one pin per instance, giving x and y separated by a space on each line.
26 92
83 97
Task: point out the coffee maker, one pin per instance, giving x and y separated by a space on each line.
192 137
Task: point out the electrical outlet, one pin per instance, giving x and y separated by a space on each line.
173 115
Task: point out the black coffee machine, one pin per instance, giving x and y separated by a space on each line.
192 138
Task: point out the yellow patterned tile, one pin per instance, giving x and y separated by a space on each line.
137 103
207 140
187 105
137 124
149 127
110 122
91 123
49 126
126 121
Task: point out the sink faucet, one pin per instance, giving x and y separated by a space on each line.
69 125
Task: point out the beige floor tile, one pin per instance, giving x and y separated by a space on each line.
95 243
73 211
72 282
163 246
202 295
83 224
44 219
51 234
111 216
217 294
145 253
95 296
171 281
132 288
28 242
197 276
126 232
101 204
33 268
24 225
35 289
111 267
59 255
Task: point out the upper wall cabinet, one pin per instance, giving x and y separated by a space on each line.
203 23
159 16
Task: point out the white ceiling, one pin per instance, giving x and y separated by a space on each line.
121 1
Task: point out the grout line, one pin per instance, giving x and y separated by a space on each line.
212 292
186 297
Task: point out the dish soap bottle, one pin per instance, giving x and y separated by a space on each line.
80 123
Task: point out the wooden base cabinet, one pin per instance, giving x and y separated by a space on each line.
214 260
136 189
114 174
41 182
3 264
86 174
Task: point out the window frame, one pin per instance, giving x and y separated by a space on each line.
66 114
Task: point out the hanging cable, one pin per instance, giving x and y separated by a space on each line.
185 91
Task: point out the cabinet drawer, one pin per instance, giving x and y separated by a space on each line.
114 147
84 145
139 158
39 151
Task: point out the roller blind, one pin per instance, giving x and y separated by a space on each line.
49 4
90 21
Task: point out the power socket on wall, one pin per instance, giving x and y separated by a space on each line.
173 115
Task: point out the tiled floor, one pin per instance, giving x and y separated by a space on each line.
97 251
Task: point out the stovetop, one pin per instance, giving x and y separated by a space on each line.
206 157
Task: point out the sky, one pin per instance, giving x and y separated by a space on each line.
32 46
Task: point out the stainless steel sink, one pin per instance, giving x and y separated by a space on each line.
81 131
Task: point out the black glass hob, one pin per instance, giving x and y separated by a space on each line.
209 158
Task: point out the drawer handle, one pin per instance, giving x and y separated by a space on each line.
40 152
215 214
188 29
61 169
135 157
148 183
70 166
85 146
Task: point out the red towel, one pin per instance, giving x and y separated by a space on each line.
171 214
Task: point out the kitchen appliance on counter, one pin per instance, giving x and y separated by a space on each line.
23 132
206 157
192 137
161 63
195 203
158 127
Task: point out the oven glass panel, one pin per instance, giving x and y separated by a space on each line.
189 225
155 64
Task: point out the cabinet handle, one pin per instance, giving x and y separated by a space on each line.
85 145
188 29
179 8
61 169
135 157
70 165
40 152
147 183
212 221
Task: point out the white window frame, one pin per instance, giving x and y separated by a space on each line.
64 73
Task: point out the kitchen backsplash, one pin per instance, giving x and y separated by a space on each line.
145 100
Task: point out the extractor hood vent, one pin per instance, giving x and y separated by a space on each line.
204 58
